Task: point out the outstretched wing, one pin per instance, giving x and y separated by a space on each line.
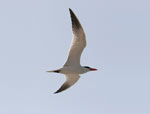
71 79
78 42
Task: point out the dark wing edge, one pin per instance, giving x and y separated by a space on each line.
75 22
62 88
70 80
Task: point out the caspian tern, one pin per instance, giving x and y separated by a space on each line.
72 67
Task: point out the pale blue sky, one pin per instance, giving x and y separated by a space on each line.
35 36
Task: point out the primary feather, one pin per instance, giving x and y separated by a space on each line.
78 41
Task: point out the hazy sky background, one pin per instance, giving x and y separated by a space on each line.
35 36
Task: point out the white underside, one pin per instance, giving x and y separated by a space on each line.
73 70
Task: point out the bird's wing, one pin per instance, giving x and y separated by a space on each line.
78 42
71 79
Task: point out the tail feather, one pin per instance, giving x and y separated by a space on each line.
56 71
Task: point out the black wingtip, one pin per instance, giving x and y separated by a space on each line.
71 12
70 9
75 22
56 92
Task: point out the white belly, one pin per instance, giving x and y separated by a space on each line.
72 70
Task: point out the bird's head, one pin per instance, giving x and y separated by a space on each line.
89 68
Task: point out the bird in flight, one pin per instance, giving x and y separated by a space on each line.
72 68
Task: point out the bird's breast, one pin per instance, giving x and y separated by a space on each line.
71 70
